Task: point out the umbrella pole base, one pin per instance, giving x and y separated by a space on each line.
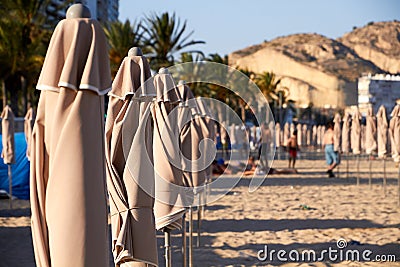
10 186
190 236
184 254
167 244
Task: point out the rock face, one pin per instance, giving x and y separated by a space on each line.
316 69
377 42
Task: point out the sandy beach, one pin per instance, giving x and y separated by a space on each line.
306 211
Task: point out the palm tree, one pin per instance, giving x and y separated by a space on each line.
24 39
121 37
194 72
268 83
165 36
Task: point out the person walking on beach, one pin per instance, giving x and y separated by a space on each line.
331 155
293 147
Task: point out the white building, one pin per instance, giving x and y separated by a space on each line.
377 90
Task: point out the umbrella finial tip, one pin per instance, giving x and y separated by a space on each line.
135 51
78 11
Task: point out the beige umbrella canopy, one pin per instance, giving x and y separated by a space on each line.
68 183
208 130
286 134
277 134
346 133
190 136
169 204
337 133
300 134
233 135
319 136
314 135
28 123
394 133
7 130
356 133
382 131
305 133
370 132
128 138
292 128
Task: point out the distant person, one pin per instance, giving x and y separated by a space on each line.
292 147
331 156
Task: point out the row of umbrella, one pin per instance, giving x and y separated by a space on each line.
8 151
150 163
306 135
378 135
149 121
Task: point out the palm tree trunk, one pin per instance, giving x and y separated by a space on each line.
4 93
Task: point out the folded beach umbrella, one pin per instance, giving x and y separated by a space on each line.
346 133
292 128
314 135
370 132
382 131
363 137
7 130
306 134
356 132
68 181
300 134
394 133
28 124
232 135
191 133
130 174
286 134
278 141
271 126
8 152
319 137
169 203
209 131
224 133
337 133
253 132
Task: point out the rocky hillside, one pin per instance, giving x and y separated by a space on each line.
377 42
320 70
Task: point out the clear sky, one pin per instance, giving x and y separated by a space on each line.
229 25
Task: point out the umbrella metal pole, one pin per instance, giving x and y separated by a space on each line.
184 255
10 185
199 210
384 176
190 236
167 245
